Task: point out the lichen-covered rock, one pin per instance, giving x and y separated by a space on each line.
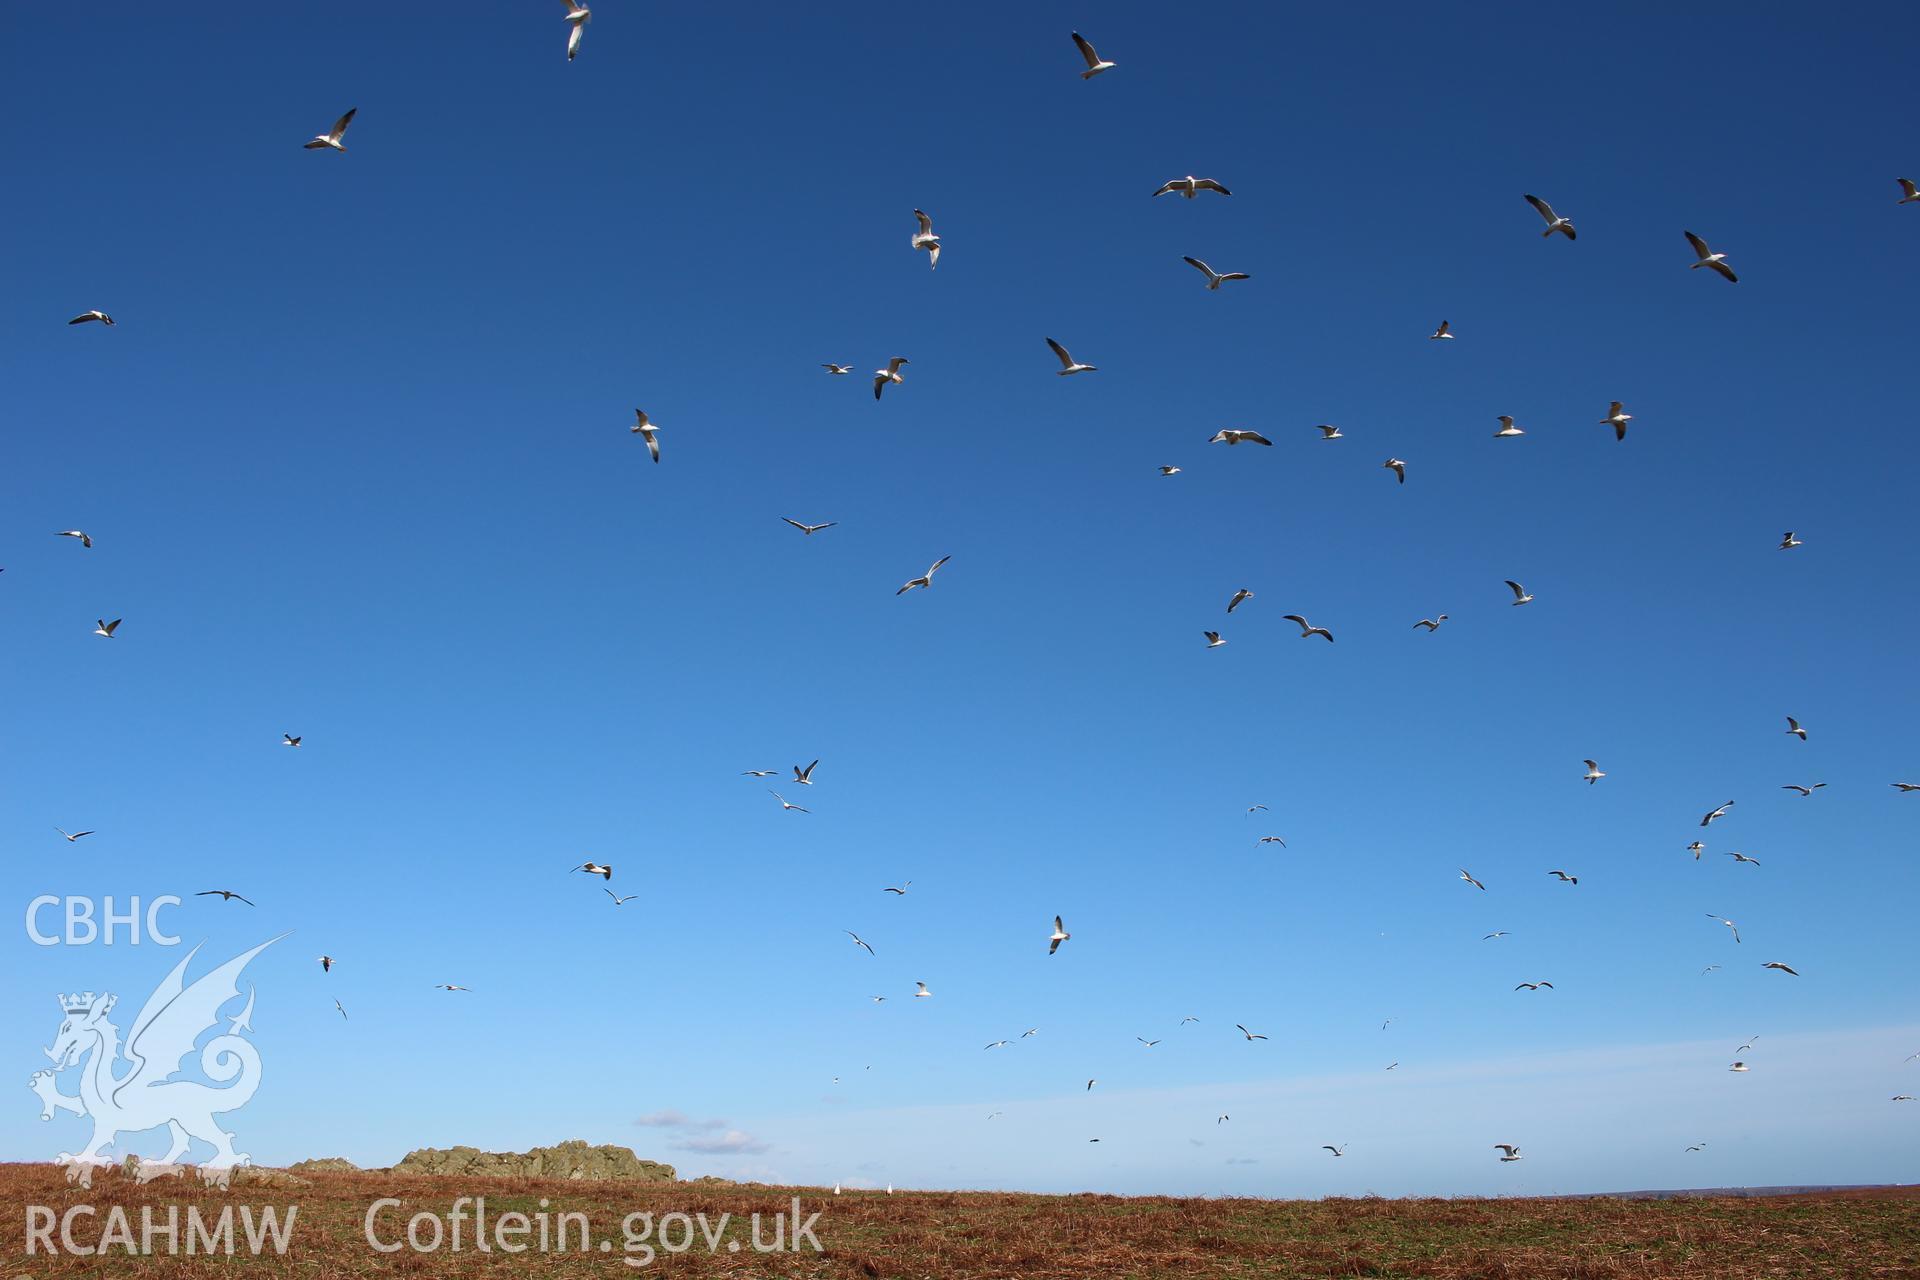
324 1164
574 1160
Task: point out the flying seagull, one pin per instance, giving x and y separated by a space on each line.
1307 629
289 740
1554 221
1149 1043
1090 1085
1431 624
759 773
1534 986
1059 936
1721 812
1805 791
809 529
1444 332
925 579
881 377
1700 1146
1169 471
1190 1018
74 835
1793 727
1475 883
96 316
450 986
643 427
922 993
619 901
1730 924
326 964
342 1008
1214 278
1741 857
1739 1066
1248 1034
858 941
1338 1151
604 871
786 805
85 540
1708 258
900 890
1239 597
1328 431
1617 419
1748 1045
1191 186
1497 933
1094 65
838 370
1398 468
1594 772
102 627
225 895
1563 876
1228 435
1909 194
1906 788
1273 840
1520 593
1222 1118
1067 363
1507 428
804 776
924 238
997 1044
1775 964
1696 849
1030 1031
1512 1152
1213 639
578 16
1255 808
331 138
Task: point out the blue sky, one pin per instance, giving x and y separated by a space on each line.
356 463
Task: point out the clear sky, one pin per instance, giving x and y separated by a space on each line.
356 462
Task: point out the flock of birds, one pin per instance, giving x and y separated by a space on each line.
924 239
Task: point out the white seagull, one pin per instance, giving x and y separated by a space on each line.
1067 363
85 541
1228 435
804 776
1169 471
899 890
881 377
1793 727
289 740
1444 332
605 872
922 993
1512 1152
1739 1066
1239 597
1328 431
619 901
1775 964
642 426
1804 791
1059 936
1696 848
1213 639
72 835
858 941
1594 772
1554 221
1214 278
1398 468
1721 812
838 370
1564 877
331 138
809 529
1708 258
1431 624
1788 542
1249 1034
1618 419
578 16
1191 186
1476 884
1734 928
95 317
924 238
1306 628
1094 65
1909 194
104 628
925 579
1507 428
785 804
1520 593
1338 1151
1741 857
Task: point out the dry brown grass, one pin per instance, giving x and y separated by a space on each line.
991 1235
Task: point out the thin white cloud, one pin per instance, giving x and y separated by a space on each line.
672 1119
733 1142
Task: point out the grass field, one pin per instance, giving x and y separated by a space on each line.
945 1234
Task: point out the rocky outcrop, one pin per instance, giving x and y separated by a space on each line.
574 1160
324 1164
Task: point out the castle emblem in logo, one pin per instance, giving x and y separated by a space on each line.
127 1088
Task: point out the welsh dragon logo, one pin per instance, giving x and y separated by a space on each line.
132 1089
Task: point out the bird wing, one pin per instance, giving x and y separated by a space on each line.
1236 275
1725 270
1518 590
340 125
1173 185
926 224
1544 209
1907 187
1699 246
653 444
1294 617
1254 436
795 523
1066 361
1086 50
937 563
1198 265
1208 184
